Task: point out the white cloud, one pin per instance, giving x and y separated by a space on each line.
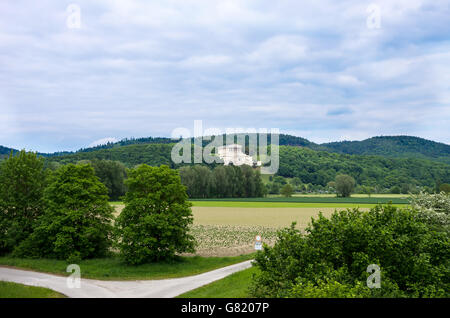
140 68
280 48
205 61
103 141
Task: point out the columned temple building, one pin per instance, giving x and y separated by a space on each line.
233 154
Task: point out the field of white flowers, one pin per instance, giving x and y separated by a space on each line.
230 240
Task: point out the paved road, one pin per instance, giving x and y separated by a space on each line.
90 288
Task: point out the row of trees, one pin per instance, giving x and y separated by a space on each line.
222 182
343 186
65 214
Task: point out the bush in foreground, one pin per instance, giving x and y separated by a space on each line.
155 222
77 223
332 259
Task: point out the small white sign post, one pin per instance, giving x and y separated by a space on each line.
258 243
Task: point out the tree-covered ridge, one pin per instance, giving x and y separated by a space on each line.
311 166
5 151
387 146
130 141
320 167
393 146
130 155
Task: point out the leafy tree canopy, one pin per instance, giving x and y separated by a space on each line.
155 222
77 223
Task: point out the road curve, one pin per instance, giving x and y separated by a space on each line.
91 288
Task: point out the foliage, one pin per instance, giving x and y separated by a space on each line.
444 187
22 183
273 188
344 185
394 147
112 174
311 163
433 208
287 190
129 155
155 222
319 167
225 236
280 180
296 181
331 259
77 220
222 181
367 190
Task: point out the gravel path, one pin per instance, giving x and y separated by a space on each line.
90 288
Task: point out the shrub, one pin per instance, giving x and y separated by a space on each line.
287 190
22 183
344 185
331 259
77 223
155 222
434 209
444 187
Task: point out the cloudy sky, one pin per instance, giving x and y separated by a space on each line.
73 74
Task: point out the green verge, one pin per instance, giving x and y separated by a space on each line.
113 268
243 204
316 199
234 286
13 290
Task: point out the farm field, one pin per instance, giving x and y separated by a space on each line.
228 227
265 217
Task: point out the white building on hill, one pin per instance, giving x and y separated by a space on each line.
234 154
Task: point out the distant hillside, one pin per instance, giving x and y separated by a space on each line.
311 166
320 167
393 147
5 151
386 146
130 155
383 161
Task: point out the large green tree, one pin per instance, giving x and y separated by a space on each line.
344 185
155 222
77 222
22 182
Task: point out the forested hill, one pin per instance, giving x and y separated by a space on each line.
5 151
315 167
370 162
393 147
386 146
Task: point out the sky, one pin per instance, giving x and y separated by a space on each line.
79 73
